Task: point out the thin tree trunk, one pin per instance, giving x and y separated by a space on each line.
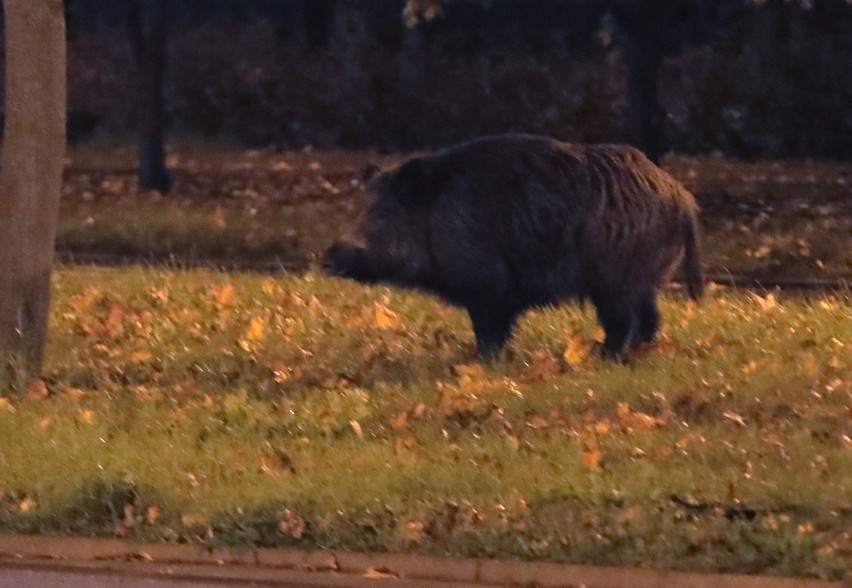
643 68
31 177
147 30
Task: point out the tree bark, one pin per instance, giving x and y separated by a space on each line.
147 23
30 177
643 68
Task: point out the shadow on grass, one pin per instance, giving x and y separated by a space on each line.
97 509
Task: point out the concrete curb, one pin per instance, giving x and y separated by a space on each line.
345 568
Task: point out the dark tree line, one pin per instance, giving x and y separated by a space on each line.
645 32
147 23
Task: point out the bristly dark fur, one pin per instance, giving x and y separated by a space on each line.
501 224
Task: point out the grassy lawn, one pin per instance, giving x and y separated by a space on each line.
300 410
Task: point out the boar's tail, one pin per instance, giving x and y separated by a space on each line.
694 277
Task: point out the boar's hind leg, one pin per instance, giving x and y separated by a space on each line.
492 326
648 319
617 314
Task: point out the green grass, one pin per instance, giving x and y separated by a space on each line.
300 410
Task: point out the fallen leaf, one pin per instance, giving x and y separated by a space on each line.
268 286
542 365
291 524
114 321
224 294
36 390
766 303
632 419
141 356
314 305
575 353
592 459
152 513
384 318
254 333
414 531
379 574
400 421
356 427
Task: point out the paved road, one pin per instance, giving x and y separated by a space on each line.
48 574
57 562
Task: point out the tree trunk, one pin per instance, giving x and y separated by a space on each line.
147 23
643 68
31 177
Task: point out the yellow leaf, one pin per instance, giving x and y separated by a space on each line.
27 504
314 305
761 252
593 459
472 371
224 294
378 574
384 318
828 303
767 303
140 356
256 329
750 367
575 353
632 419
74 393
414 531
254 333
268 286
356 427
152 513
114 321
83 301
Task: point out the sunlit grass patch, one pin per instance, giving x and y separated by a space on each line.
301 410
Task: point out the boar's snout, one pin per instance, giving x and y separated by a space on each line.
347 260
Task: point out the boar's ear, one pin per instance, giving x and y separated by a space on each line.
369 172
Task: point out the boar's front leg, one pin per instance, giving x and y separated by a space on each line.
648 319
351 261
492 326
617 314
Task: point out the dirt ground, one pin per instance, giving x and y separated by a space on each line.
767 222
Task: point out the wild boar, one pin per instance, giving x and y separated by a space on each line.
501 224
